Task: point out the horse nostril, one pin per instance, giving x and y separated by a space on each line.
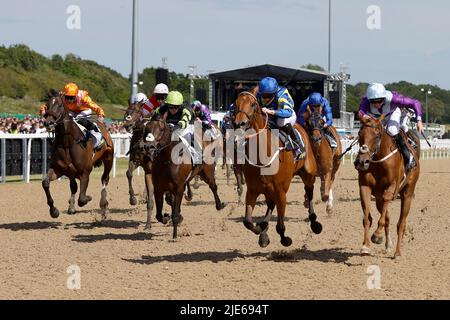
128 118
243 124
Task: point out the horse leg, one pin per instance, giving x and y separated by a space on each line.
281 228
250 202
382 207
365 193
131 168
240 181
73 191
107 165
264 224
388 244
177 218
51 176
159 201
207 175
406 198
196 185
315 225
150 203
188 195
83 199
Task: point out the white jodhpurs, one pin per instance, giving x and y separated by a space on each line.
397 120
81 114
281 122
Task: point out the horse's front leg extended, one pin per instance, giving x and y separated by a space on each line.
281 228
51 176
264 224
315 225
250 202
177 218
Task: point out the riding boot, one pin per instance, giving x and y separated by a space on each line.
410 162
293 142
330 138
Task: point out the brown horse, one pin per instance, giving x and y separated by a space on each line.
328 158
134 120
168 175
230 162
382 174
70 157
274 184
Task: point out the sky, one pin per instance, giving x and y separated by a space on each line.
412 43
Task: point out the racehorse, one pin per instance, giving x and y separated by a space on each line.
134 120
382 174
328 158
72 158
274 186
168 175
230 162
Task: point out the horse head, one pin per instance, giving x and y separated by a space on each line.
248 111
132 115
55 110
157 135
369 138
315 123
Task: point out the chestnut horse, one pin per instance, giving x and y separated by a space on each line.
382 174
328 158
168 175
275 184
73 159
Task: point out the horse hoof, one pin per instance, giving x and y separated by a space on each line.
188 198
54 213
316 227
263 240
220 206
376 239
177 219
263 225
133 201
166 218
365 250
71 211
329 210
148 226
248 225
286 241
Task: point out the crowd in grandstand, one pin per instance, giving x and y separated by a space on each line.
29 124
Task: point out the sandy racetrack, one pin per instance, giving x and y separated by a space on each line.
216 257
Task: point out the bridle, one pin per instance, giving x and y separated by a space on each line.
364 149
315 125
251 118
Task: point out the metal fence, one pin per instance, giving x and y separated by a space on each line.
23 155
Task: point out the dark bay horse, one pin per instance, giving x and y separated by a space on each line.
73 159
230 161
273 184
382 174
328 158
171 173
135 121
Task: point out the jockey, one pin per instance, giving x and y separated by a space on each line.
380 101
179 117
203 114
80 107
278 103
227 121
316 100
156 100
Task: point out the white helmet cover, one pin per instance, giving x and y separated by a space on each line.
161 88
376 91
138 98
